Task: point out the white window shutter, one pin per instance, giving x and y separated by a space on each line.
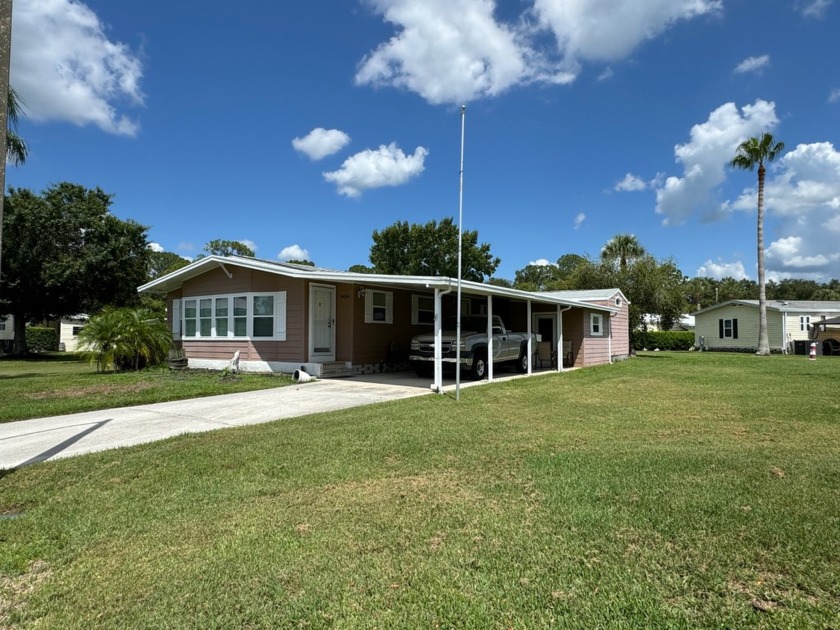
389 308
280 316
176 318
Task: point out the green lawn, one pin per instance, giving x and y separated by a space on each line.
57 383
669 491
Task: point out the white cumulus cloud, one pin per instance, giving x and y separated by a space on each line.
293 252
579 219
249 244
753 64
834 95
705 158
540 262
156 247
631 183
606 30
320 142
719 270
385 166
65 67
454 51
447 51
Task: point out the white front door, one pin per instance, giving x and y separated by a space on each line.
321 323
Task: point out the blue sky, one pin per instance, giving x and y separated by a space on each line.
300 127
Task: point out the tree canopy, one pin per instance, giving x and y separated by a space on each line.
220 247
66 253
622 249
162 263
430 249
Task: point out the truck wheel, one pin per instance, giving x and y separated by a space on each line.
522 361
479 367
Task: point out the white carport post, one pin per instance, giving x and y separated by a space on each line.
489 338
530 348
558 352
438 384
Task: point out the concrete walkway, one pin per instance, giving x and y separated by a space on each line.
30 441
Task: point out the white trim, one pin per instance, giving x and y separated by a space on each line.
279 300
321 357
592 319
369 306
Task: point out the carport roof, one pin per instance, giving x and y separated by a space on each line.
175 280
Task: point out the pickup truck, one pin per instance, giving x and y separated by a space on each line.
508 347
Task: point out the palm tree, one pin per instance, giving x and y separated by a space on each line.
16 149
125 339
621 248
752 152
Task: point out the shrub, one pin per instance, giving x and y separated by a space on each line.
664 340
125 339
40 339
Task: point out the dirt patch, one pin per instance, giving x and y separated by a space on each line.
15 591
91 390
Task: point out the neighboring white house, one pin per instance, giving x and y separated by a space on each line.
68 330
733 325
7 328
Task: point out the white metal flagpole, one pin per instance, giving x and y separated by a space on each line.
460 238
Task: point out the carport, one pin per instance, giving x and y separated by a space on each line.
446 286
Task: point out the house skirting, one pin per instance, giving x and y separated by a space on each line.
288 367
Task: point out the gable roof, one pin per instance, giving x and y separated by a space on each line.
783 306
176 279
588 295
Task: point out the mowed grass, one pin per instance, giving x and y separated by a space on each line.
669 491
58 383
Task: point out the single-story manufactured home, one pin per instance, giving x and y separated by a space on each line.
733 325
282 316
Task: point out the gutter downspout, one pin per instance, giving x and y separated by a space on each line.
437 386
609 339
784 332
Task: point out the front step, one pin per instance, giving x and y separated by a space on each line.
336 369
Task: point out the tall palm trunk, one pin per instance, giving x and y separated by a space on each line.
763 341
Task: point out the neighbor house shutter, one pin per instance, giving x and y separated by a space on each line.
720 328
280 316
176 318
734 328
389 308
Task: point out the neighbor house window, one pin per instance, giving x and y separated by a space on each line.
253 315
379 307
804 320
596 324
728 328
77 330
422 309
2 325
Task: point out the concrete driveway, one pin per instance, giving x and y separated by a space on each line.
30 441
